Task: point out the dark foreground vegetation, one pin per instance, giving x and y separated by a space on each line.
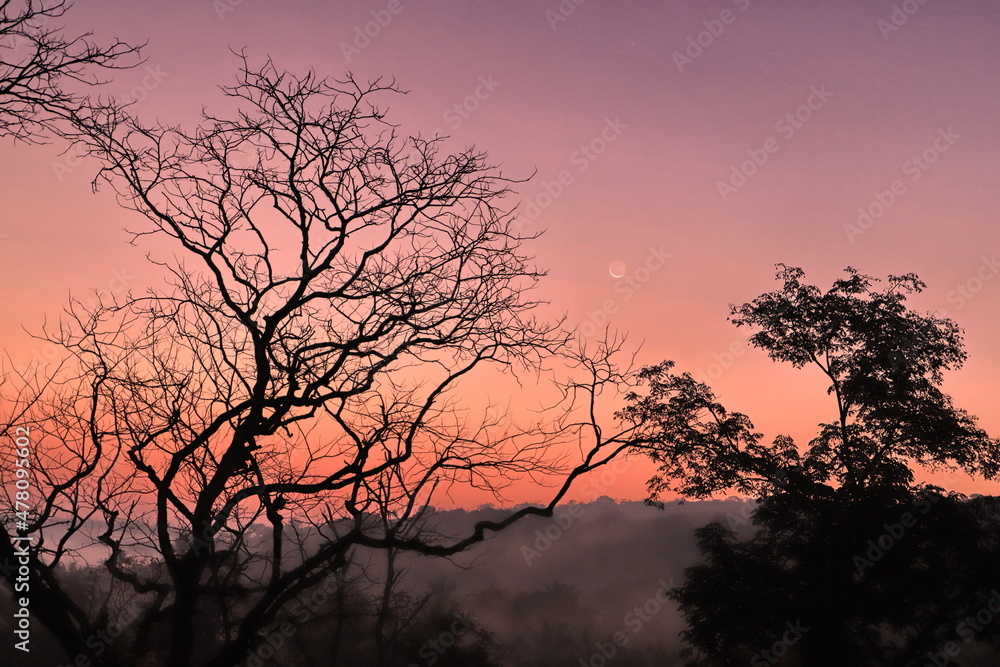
555 591
239 466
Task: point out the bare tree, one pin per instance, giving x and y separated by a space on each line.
43 72
295 390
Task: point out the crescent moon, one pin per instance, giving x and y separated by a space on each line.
617 269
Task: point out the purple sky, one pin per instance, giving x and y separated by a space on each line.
651 134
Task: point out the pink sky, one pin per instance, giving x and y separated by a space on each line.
548 88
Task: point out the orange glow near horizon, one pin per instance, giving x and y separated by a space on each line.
667 189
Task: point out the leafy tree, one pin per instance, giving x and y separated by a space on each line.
822 507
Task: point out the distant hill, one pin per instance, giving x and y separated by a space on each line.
580 574
552 591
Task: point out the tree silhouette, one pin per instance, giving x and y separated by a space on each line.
40 67
293 391
877 567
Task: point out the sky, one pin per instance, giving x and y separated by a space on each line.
685 147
